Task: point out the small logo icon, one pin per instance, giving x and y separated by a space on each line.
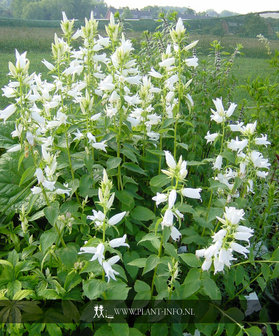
101 313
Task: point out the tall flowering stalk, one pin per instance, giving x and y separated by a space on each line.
101 223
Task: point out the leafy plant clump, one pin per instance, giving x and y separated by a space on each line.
105 198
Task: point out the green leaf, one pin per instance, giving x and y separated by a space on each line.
6 263
184 146
52 212
191 284
130 256
239 274
28 175
86 186
135 332
254 331
126 198
72 280
120 329
159 181
105 330
129 154
140 262
6 140
53 329
47 239
186 208
134 168
213 212
151 262
13 195
190 259
37 215
68 256
210 288
117 291
141 286
113 162
94 288
13 287
152 238
142 214
159 329
22 294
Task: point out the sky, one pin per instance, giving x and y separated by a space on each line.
239 6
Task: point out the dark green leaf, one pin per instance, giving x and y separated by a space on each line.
134 168
142 214
159 181
47 239
190 259
120 329
113 162
151 262
52 212
93 288
191 284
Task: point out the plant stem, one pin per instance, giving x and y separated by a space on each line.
155 270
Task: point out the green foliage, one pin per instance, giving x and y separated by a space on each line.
116 215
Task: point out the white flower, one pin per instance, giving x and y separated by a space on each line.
110 272
167 62
160 198
225 256
116 218
258 160
239 248
48 65
192 193
21 60
155 74
118 242
168 218
237 127
100 145
206 264
191 45
30 138
99 254
7 112
49 185
220 114
39 174
172 198
237 145
219 236
98 217
262 140
175 234
170 160
107 84
232 215
97 251
218 162
15 148
243 233
36 190
192 62
261 174
249 129
211 137
78 135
